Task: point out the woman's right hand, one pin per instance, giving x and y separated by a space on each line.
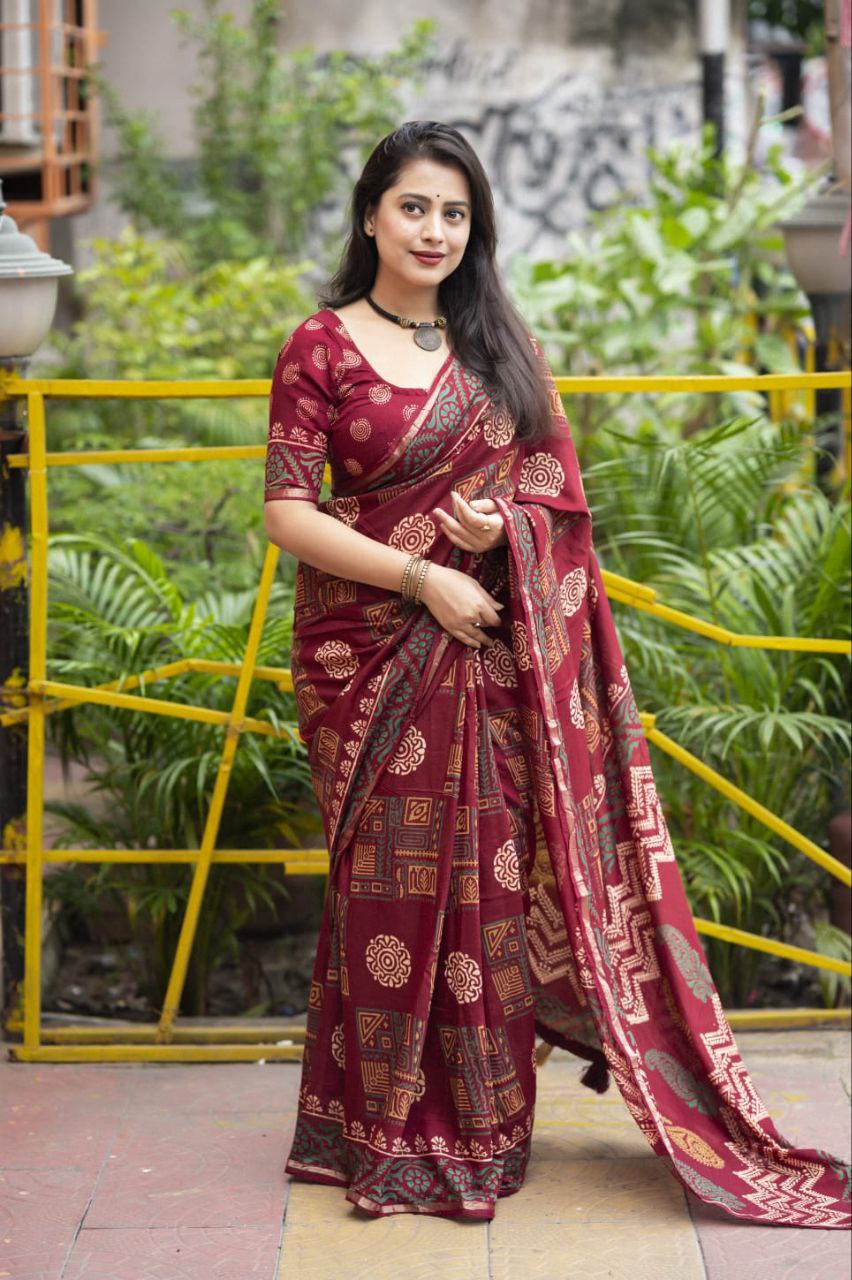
455 599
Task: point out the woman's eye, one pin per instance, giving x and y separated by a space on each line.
409 204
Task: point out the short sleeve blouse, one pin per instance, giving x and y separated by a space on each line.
302 406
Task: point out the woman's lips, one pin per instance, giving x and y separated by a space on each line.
429 258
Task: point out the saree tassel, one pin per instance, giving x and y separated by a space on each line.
542 1053
596 1076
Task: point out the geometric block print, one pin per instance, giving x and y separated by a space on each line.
395 847
506 952
389 1044
481 1076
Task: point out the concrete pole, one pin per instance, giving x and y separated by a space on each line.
714 22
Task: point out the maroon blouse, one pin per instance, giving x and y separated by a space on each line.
328 404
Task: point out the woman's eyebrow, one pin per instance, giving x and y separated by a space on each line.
428 199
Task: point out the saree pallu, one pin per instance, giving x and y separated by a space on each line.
500 865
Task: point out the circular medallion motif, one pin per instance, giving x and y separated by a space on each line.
410 753
572 589
542 473
414 533
306 408
337 658
463 977
507 871
498 429
500 666
576 708
344 509
388 960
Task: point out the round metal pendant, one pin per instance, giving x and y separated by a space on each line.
427 337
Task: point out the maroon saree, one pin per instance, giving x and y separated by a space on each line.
500 862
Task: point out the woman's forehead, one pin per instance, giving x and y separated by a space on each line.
433 179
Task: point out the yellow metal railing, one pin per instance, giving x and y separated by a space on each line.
167 1041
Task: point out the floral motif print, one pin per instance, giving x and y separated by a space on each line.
542 473
388 960
414 534
410 753
337 658
498 429
464 977
572 589
500 665
506 868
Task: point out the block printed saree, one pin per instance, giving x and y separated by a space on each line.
500 865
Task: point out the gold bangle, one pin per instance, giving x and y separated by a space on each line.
418 590
410 566
420 574
405 575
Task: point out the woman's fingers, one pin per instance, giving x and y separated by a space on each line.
455 531
470 520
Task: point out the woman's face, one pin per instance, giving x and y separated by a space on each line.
426 211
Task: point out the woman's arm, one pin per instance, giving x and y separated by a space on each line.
328 544
454 598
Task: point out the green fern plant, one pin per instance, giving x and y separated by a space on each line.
716 524
115 611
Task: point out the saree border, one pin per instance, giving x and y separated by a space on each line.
445 459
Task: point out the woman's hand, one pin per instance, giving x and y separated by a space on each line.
457 600
465 530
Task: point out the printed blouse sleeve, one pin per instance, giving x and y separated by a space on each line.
301 409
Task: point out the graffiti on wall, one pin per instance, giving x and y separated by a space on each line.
572 149
573 145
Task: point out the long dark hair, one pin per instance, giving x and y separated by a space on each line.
484 329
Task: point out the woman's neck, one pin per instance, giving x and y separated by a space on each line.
403 300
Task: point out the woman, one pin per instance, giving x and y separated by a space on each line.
499 861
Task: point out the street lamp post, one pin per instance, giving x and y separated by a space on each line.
28 291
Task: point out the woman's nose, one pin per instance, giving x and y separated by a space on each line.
434 229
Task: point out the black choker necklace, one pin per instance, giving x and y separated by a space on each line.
425 331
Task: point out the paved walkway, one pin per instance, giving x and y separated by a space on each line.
174 1172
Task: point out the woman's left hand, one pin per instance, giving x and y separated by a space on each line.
466 529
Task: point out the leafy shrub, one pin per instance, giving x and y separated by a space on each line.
115 611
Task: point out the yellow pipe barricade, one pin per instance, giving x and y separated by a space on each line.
169 1039
35 739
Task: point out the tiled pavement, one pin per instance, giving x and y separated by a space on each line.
174 1172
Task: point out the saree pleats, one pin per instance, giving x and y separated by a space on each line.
500 864
423 981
